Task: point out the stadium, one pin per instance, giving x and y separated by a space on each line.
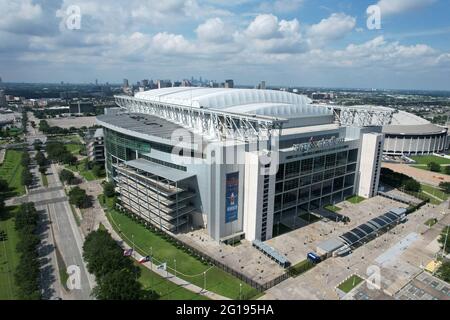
411 135
236 161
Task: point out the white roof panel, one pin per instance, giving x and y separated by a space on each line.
252 101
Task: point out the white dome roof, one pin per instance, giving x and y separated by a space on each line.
252 101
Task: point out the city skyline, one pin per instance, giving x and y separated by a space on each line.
285 42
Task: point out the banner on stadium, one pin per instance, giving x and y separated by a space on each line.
231 197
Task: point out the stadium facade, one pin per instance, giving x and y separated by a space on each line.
409 134
237 161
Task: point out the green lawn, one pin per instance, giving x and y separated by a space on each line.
166 289
350 283
11 171
424 167
9 258
74 148
301 267
440 194
428 159
81 169
332 208
188 267
355 199
431 222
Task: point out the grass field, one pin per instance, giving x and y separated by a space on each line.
301 267
350 283
11 171
9 258
425 167
166 289
436 192
431 222
81 169
74 148
427 159
355 199
332 208
188 267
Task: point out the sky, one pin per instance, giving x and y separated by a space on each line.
317 43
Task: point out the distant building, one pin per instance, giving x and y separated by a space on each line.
69 95
125 83
80 107
164 84
321 96
229 84
96 147
412 135
186 83
3 103
261 85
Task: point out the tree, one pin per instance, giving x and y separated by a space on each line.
27 178
4 187
79 198
445 186
116 275
435 167
26 216
447 170
97 170
42 170
442 239
444 271
412 185
109 190
40 159
25 159
66 176
118 285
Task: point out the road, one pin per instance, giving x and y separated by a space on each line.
58 229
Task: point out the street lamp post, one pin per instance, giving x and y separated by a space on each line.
175 262
204 281
151 264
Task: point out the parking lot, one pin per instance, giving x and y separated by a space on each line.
399 255
76 122
296 244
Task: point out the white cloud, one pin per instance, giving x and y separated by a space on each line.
265 26
392 7
336 26
214 30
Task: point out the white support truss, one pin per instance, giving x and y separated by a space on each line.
362 116
212 123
